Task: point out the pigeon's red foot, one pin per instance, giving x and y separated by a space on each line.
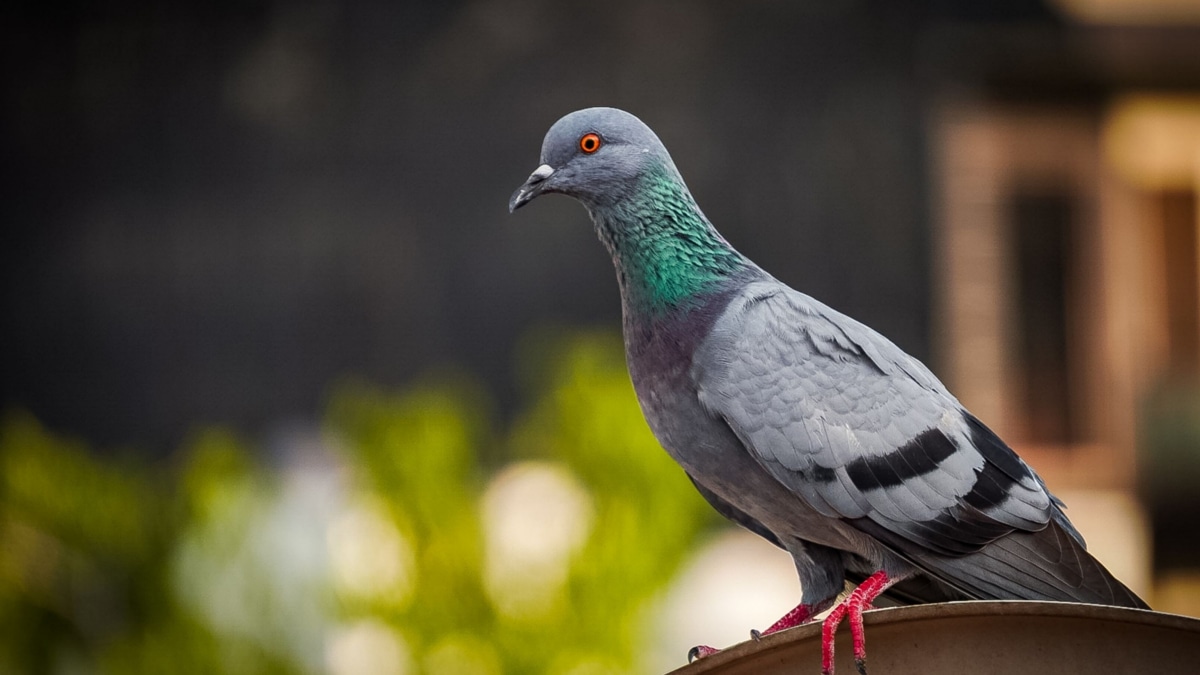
801 614
853 606
701 651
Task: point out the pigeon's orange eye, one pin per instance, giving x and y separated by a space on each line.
589 143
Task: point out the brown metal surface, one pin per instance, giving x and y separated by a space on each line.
981 638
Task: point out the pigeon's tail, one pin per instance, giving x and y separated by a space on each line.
1050 564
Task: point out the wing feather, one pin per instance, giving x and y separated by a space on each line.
859 429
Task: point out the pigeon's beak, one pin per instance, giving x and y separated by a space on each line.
534 186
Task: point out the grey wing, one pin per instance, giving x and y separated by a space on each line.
860 430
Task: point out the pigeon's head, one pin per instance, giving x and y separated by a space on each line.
595 155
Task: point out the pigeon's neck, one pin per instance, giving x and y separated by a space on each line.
667 255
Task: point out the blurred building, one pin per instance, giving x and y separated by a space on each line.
1067 277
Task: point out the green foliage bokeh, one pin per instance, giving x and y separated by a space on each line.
220 563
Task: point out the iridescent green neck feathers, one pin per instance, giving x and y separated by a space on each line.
666 253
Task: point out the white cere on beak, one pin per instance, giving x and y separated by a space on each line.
541 173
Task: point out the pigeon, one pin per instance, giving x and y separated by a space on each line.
798 422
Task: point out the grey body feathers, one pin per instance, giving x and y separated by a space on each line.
821 435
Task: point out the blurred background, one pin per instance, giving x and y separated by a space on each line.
286 390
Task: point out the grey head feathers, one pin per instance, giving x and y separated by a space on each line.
626 149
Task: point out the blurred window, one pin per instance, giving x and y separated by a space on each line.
1178 209
1041 240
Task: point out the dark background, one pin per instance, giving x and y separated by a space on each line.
214 210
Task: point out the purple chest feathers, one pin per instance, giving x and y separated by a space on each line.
660 350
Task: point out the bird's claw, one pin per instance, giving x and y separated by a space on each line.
700 651
755 634
861 666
